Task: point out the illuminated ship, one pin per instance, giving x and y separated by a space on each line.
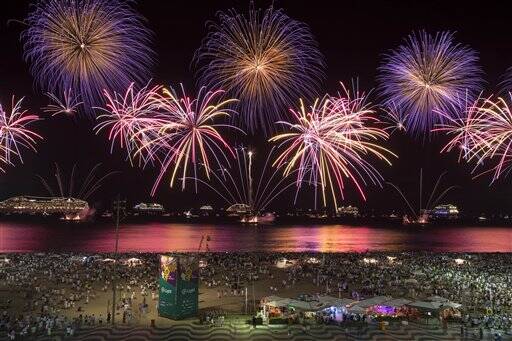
68 208
149 208
266 218
447 211
238 210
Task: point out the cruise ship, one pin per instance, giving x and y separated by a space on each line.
149 208
68 208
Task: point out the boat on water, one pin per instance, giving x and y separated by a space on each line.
422 220
266 218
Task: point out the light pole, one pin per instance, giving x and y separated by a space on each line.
253 299
246 308
117 207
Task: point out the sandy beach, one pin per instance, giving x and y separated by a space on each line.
76 289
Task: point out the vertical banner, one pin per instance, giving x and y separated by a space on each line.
167 298
188 285
179 284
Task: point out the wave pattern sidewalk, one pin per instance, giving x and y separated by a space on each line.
245 332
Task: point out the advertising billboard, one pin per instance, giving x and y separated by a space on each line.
179 284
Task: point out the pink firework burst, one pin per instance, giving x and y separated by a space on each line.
188 135
330 142
15 132
485 136
130 117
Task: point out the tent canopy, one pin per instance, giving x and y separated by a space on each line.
396 303
335 302
308 306
450 304
425 305
280 302
436 298
356 310
272 298
376 300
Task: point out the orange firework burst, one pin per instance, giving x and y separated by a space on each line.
266 60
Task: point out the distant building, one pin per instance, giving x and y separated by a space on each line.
348 211
149 208
43 205
447 211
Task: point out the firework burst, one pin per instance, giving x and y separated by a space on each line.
68 105
330 141
266 60
188 135
129 119
487 136
394 118
15 133
429 73
86 46
465 131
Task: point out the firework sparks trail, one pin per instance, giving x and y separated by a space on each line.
330 141
15 132
235 184
394 118
189 136
68 105
485 137
175 132
91 183
129 119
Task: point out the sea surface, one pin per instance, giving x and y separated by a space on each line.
165 237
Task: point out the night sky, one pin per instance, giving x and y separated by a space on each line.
353 36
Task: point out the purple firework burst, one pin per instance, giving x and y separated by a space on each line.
87 46
266 60
427 75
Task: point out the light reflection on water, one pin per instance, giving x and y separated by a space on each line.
161 237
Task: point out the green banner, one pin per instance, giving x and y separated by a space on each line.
179 284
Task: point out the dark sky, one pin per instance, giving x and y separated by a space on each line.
352 35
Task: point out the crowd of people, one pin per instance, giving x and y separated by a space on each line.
40 293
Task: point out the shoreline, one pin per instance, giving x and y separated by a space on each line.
281 222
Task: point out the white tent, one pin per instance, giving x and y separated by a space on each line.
355 309
425 305
437 299
396 303
450 304
331 301
307 306
272 298
279 302
376 300
327 299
